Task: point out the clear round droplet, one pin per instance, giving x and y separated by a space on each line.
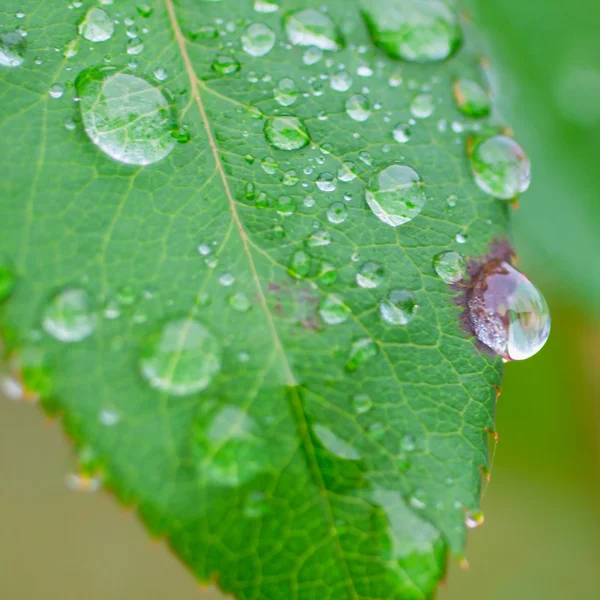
472 100
347 172
181 358
508 313
286 133
358 108
361 351
56 91
399 308
341 81
395 194
450 266
326 182
96 26
362 404
258 39
401 133
422 106
70 316
501 167
300 264
337 213
286 92
413 30
125 116
312 28
474 519
12 49
333 310
370 275
225 64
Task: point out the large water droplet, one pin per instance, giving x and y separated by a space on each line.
286 133
450 266
337 213
401 133
413 30
341 81
181 358
125 116
501 167
396 194
333 310
96 26
70 316
312 28
370 275
471 99
474 519
12 49
258 39
422 106
399 308
265 6
358 108
508 313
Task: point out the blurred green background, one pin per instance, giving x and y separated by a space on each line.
541 538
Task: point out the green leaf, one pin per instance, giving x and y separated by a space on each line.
275 377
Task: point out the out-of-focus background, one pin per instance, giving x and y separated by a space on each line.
541 538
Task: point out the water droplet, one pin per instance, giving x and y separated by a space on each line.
347 172
225 64
461 237
286 92
285 205
362 404
508 313
286 133
265 6
360 352
240 302
56 91
413 30
312 28
269 165
321 237
12 49
160 74
312 55
326 182
255 505
376 430
109 417
358 108
145 10
258 39
335 444
399 308
70 316
501 167
8 278
333 310
471 99
96 26
181 358
408 443
300 264
341 81
396 194
474 519
370 275
422 106
450 266
337 213
227 279
125 116
401 133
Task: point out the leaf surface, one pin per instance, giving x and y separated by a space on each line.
236 383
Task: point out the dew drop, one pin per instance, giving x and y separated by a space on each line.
413 30
362 404
225 64
286 92
358 108
508 313
333 310
501 167
12 49
399 308
56 91
269 165
326 182
401 133
474 519
319 238
472 100
340 82
312 55
160 74
422 106
265 6
96 26
69 316
337 213
300 264
312 28
395 194
240 302
145 10
258 39
360 352
125 116
450 266
285 206
286 133
347 172
181 358
370 275
461 237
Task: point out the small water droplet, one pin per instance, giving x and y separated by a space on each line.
12 49
135 46
225 64
240 302
337 213
347 172
258 39
109 417
501 167
341 81
450 266
255 505
333 310
145 10
96 26
399 308
286 133
508 313
160 74
312 55
227 279
284 205
461 237
362 404
300 264
181 358
361 351
69 316
266 6
326 182
286 92
312 28
396 195
321 237
83 483
358 108
422 106
472 100
408 443
401 133
125 116
269 165
413 30
370 275
474 519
